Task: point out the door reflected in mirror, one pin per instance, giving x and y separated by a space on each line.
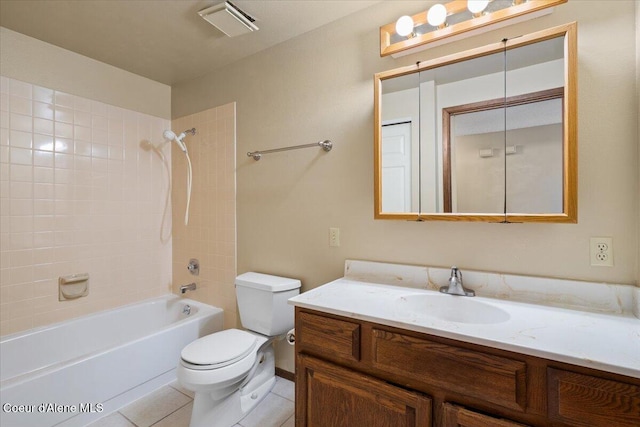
398 180
400 133
486 135
504 151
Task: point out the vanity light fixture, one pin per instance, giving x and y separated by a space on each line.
477 7
437 16
443 23
404 26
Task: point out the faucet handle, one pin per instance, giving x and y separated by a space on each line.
194 266
455 284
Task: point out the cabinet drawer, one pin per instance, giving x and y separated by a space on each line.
326 336
457 416
484 376
584 400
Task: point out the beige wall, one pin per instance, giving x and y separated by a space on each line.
638 121
319 86
80 192
314 87
28 59
210 235
534 172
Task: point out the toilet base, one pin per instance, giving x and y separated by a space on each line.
228 411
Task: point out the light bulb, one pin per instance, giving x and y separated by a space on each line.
404 26
477 6
437 15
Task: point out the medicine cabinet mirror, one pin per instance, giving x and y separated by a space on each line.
484 135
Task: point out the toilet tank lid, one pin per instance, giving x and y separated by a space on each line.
267 282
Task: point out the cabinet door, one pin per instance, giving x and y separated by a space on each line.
330 396
457 416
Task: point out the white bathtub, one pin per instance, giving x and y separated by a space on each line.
95 364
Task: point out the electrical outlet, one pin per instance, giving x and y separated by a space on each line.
334 236
601 249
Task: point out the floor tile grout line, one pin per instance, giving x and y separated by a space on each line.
292 416
180 391
127 418
169 414
284 397
275 394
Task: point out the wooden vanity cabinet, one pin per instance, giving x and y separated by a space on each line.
354 373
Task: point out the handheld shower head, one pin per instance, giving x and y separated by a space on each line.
171 136
168 134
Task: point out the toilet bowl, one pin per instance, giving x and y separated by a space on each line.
231 371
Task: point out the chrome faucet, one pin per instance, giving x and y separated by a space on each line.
455 285
189 287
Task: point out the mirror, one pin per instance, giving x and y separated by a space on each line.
484 135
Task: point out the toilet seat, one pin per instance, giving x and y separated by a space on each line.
218 350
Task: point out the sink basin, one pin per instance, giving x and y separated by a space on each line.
449 308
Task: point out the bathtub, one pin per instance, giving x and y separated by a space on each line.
74 372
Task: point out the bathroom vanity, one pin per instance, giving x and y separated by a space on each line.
370 354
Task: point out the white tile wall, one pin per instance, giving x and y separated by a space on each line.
80 191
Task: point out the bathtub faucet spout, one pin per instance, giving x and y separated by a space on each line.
189 287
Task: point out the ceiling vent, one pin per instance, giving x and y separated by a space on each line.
229 19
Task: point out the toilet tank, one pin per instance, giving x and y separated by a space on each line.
262 301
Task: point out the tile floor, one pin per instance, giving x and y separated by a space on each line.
170 406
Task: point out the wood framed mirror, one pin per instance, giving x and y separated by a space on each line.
489 134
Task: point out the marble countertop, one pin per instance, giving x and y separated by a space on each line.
608 342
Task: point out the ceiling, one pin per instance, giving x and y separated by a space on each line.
166 40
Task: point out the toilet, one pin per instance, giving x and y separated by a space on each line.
231 371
